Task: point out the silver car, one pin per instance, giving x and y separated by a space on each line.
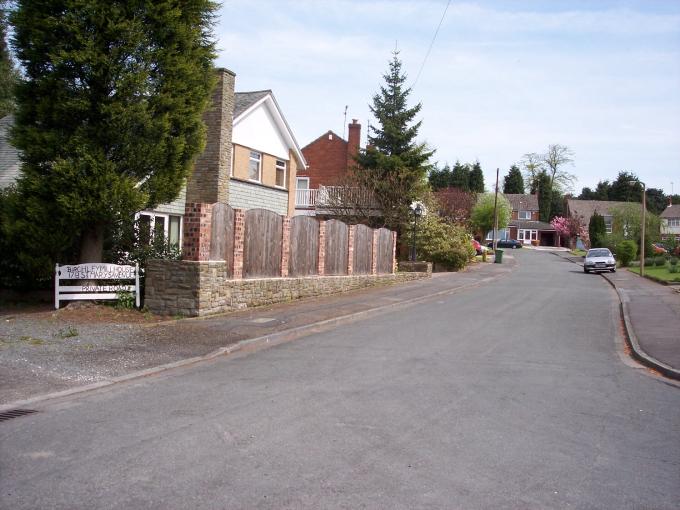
599 259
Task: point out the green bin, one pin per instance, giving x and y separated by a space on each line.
498 258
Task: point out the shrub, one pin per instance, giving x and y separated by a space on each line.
674 269
649 261
626 251
674 261
659 261
443 243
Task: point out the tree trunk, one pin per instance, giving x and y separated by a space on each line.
92 244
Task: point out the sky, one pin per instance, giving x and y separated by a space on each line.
503 78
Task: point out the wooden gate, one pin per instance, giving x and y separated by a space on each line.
304 246
384 251
262 244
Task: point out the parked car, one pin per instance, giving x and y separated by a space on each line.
599 259
507 243
659 249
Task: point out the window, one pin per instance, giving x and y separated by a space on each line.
302 183
502 234
524 215
156 226
281 173
174 230
674 222
254 166
608 224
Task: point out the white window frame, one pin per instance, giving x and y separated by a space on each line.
502 234
285 173
259 166
608 224
524 215
298 179
673 222
166 226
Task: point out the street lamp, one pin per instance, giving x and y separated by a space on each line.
642 240
418 211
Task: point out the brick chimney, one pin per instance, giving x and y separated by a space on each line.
353 139
209 181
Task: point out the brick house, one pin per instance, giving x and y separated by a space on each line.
670 222
524 223
329 158
583 210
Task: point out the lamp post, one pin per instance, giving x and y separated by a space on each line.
644 218
417 209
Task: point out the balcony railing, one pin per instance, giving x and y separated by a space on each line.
334 196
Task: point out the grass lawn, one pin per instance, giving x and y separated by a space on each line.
657 273
578 253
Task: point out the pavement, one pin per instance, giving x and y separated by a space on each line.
651 316
38 361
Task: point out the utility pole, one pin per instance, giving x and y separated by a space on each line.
644 220
344 123
495 212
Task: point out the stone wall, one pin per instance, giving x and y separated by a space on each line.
192 288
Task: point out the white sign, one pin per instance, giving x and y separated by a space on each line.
94 290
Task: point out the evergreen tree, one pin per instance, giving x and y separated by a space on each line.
597 230
626 188
8 73
394 166
109 115
513 182
477 178
587 194
460 176
544 191
440 178
602 191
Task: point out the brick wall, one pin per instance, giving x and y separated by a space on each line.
202 288
329 156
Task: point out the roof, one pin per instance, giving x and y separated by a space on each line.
336 137
244 100
586 208
531 225
522 201
672 211
10 164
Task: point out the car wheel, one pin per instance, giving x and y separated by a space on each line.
585 270
514 247
613 270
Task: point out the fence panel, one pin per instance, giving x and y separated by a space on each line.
363 249
384 251
337 238
222 235
304 246
262 244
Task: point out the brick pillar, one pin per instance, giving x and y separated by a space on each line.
374 252
285 246
350 250
394 252
322 249
197 231
239 236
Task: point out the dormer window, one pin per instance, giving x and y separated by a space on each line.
524 215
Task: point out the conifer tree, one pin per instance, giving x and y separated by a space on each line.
440 178
477 178
109 114
460 176
394 166
597 230
513 182
544 191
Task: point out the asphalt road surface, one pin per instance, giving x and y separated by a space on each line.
513 395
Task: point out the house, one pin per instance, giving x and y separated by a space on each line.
670 222
583 210
329 159
249 145
524 223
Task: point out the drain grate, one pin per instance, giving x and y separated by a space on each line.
15 413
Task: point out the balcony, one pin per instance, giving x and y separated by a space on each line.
334 197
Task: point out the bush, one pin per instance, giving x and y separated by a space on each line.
660 261
674 261
674 269
649 261
443 243
626 252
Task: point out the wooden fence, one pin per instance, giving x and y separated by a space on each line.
258 243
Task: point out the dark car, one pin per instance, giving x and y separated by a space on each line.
507 243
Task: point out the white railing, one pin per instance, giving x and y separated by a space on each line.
306 197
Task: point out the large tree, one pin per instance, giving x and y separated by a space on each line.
439 178
8 72
482 216
545 196
513 182
626 188
460 176
109 114
393 159
555 160
532 163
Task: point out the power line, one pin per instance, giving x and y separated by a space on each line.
434 37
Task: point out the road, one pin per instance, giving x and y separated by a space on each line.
513 395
